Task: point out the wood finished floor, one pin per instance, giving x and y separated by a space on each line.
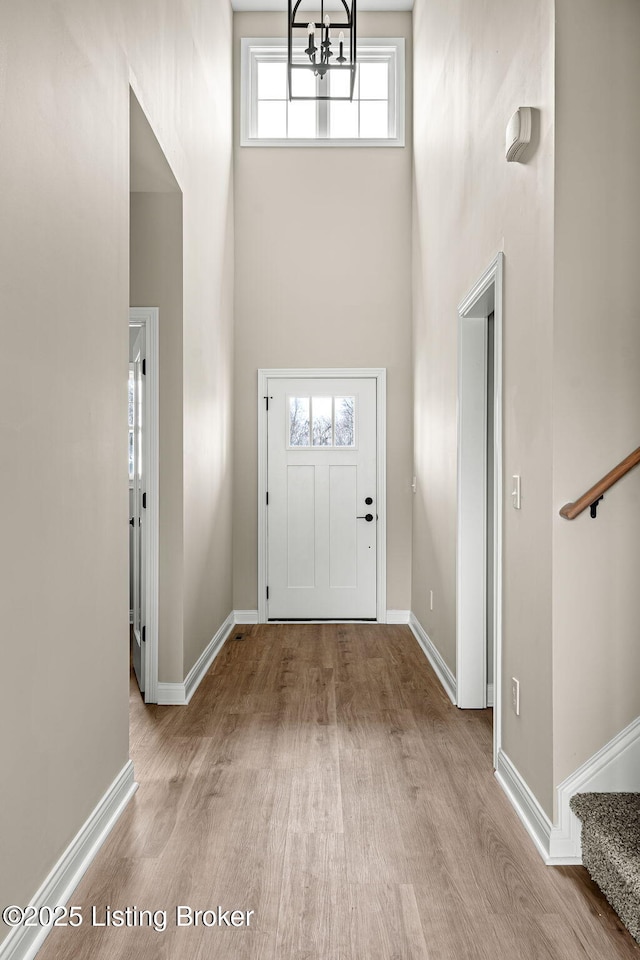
321 778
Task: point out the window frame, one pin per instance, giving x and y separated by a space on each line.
254 49
332 447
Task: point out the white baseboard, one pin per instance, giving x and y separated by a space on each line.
398 616
245 616
614 768
251 616
535 820
171 694
179 694
24 942
206 658
434 657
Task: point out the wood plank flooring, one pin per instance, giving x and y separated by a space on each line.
321 778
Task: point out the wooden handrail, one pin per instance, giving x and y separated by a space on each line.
571 510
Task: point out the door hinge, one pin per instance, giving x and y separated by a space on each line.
144 501
266 400
267 593
144 634
144 367
267 498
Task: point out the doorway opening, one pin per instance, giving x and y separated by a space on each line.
479 547
322 495
144 497
156 336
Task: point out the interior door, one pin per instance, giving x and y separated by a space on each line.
137 518
322 499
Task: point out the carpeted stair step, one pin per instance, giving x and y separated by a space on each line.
611 849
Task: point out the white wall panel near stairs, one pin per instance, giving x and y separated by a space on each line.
613 769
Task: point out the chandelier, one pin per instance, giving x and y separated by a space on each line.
323 52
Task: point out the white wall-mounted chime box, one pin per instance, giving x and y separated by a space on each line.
518 134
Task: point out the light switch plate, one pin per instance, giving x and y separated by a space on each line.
515 696
515 491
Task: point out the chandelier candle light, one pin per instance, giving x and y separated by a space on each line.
322 58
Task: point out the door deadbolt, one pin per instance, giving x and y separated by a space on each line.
368 501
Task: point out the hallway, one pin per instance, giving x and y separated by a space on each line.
321 778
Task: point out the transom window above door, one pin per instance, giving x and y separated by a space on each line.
321 422
375 117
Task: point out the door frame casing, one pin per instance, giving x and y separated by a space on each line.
380 376
149 318
484 298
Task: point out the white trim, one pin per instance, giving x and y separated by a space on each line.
472 683
324 620
471 588
206 658
380 375
524 802
171 694
180 694
251 616
149 318
614 768
390 49
22 943
398 616
245 616
489 694
381 452
433 655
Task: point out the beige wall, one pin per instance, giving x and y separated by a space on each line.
64 248
156 280
596 600
474 65
287 230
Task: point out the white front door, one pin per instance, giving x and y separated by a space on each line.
138 356
322 499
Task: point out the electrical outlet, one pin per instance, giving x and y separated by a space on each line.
430 599
515 696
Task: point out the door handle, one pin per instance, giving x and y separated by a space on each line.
368 517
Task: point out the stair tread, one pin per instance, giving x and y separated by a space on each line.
611 849
615 813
